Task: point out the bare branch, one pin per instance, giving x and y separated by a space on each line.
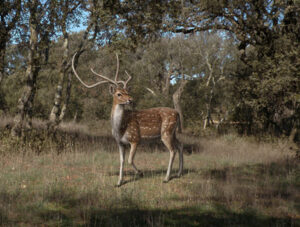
210 68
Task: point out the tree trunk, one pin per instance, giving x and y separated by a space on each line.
2 58
166 85
208 118
176 100
67 99
6 27
25 103
54 118
58 110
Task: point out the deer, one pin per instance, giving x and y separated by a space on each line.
129 127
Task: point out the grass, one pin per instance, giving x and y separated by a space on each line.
228 181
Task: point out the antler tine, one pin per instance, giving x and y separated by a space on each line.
84 84
106 78
129 78
117 72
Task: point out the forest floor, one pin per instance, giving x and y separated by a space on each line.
228 181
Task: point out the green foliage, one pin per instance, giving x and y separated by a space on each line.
12 88
272 86
193 102
248 74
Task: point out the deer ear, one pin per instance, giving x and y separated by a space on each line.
112 89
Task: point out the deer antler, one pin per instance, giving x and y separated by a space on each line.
129 78
104 77
84 84
117 72
116 82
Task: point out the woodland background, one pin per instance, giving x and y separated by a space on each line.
234 61
230 67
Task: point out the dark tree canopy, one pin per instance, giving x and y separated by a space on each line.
256 50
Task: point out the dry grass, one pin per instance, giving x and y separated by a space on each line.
228 181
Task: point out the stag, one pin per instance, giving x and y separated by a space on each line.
131 126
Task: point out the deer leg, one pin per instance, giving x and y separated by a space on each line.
180 149
131 158
167 141
122 157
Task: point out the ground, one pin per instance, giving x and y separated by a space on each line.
228 181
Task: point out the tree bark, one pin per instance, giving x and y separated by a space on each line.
208 118
212 80
25 103
67 99
166 87
2 57
59 109
176 100
54 118
5 27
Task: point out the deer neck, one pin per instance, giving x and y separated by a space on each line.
117 115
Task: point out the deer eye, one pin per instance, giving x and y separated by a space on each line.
119 94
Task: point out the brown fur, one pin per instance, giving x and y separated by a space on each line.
129 127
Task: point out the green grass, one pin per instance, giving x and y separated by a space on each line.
226 182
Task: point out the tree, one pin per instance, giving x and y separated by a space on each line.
268 41
216 58
9 16
100 23
25 102
64 16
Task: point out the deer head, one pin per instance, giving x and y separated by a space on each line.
122 97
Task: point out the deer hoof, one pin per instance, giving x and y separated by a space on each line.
140 174
166 180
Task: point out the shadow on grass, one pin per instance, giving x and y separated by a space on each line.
61 206
267 185
254 172
184 217
151 174
132 215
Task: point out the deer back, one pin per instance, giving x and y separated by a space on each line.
148 123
